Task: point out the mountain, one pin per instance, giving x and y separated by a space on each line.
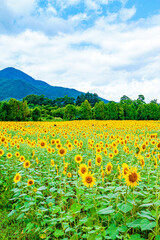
17 84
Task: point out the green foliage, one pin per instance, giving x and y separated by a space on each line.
70 112
36 113
99 111
91 98
85 110
63 101
66 108
38 100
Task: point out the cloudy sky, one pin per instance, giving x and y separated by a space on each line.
111 47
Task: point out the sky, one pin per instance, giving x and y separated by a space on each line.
108 47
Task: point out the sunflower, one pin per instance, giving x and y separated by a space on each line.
155 162
17 178
75 141
69 174
158 146
111 155
9 155
78 158
57 141
109 168
22 158
30 182
105 151
52 163
142 162
26 164
42 143
62 152
37 161
102 173
98 160
89 163
138 150
132 177
119 170
88 180
49 149
125 169
53 141
83 169
1 152
115 151
58 145
98 150
17 154
143 147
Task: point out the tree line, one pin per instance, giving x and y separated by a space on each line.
85 107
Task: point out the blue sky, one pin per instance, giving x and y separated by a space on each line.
110 47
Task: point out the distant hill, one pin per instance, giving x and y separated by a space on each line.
17 84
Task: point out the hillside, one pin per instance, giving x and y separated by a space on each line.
17 84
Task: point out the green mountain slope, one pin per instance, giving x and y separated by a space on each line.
17 84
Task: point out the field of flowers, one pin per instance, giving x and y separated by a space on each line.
80 180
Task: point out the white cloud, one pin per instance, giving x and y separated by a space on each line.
21 7
127 13
111 59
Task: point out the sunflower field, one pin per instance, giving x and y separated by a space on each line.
75 180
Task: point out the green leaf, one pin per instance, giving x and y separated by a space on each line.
145 216
108 210
147 225
123 228
146 205
135 223
20 216
157 237
157 203
58 233
53 189
112 231
125 207
42 188
136 237
75 208
12 213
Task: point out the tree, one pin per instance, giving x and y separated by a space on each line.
120 112
125 99
70 112
85 110
113 110
99 111
90 97
4 111
36 113
142 112
152 111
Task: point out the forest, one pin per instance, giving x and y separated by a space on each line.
85 107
